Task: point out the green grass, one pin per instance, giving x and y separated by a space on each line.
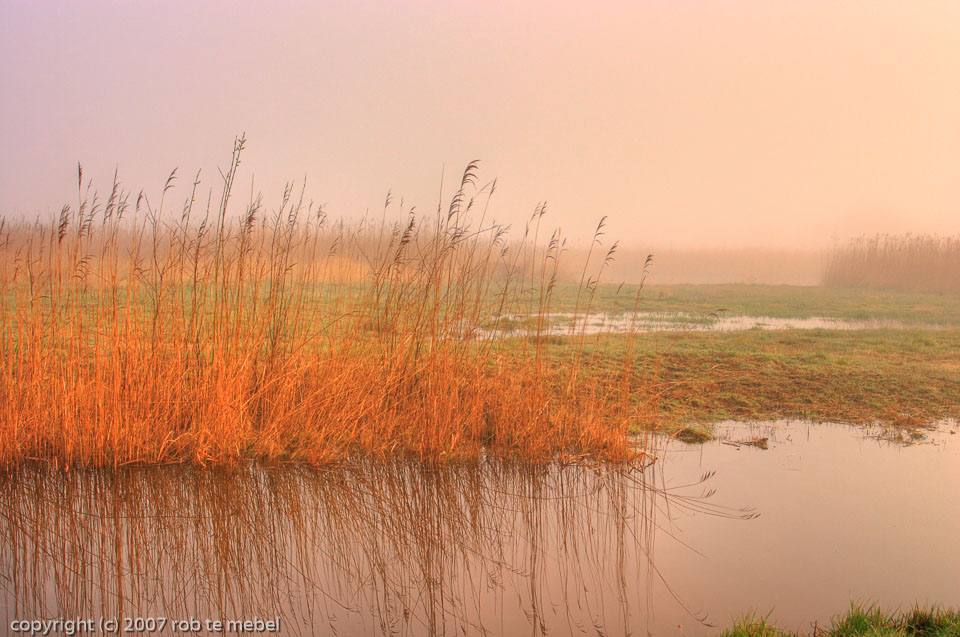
901 377
778 301
752 626
905 378
693 434
862 621
698 303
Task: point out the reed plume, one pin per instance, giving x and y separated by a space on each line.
134 334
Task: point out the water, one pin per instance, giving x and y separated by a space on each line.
824 515
563 324
843 516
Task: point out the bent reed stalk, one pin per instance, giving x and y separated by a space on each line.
130 335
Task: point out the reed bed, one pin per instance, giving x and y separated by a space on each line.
925 263
134 334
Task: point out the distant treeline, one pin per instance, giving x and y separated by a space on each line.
906 262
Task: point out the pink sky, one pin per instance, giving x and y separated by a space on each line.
689 123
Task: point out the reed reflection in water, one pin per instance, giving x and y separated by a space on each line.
370 548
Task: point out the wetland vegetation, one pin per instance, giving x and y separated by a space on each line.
713 389
862 621
900 377
901 262
133 335
418 425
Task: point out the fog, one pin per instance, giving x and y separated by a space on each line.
696 127
669 265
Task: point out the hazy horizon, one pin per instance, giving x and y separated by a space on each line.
691 125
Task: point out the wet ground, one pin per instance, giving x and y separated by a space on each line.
565 324
790 519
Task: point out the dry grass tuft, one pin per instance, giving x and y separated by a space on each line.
133 335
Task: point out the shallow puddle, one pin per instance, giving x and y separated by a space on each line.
565 324
823 515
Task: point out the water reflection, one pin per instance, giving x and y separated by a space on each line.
486 548
500 548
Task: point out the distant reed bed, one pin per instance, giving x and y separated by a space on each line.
714 265
922 263
130 333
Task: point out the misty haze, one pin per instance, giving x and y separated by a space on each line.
430 318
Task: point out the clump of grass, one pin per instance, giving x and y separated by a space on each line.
863 621
130 334
693 434
904 262
918 622
752 626
931 622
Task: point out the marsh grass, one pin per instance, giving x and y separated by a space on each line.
863 621
905 262
131 333
902 379
750 625
693 434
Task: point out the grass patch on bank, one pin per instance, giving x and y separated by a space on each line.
900 378
862 621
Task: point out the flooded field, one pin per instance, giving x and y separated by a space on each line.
788 518
565 324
